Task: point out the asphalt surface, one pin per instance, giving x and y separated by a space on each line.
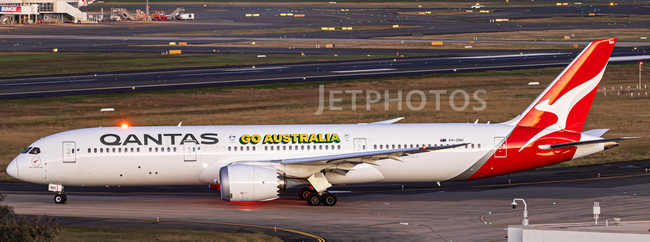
366 212
127 36
121 82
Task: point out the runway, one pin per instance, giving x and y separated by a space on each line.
459 211
121 82
213 22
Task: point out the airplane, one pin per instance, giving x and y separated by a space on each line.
255 163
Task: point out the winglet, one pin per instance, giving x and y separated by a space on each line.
390 121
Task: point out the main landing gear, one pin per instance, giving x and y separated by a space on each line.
314 199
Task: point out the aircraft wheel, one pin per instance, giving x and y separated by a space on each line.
314 199
329 199
304 193
60 198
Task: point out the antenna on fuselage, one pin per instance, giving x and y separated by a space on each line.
179 124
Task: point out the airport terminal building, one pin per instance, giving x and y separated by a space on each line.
45 11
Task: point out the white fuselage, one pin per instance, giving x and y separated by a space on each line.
138 160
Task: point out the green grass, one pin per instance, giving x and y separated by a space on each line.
28 64
74 234
369 4
618 19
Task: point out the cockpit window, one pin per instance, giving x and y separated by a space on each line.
26 150
35 151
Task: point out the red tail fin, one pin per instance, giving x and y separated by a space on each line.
565 103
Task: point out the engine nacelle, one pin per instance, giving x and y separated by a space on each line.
252 183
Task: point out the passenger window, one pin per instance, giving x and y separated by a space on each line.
119 150
472 146
290 147
271 147
138 149
399 146
248 148
320 147
26 150
174 149
89 150
253 148
169 149
35 151
156 149
266 148
113 150
95 150
339 147
308 147
479 146
101 150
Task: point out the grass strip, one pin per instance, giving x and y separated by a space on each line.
39 63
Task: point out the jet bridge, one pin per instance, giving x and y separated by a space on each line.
45 11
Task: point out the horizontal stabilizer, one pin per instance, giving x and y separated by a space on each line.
586 142
595 132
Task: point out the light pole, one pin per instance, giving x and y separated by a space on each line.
147 7
524 222
640 64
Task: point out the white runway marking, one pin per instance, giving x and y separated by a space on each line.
629 58
367 70
50 82
218 73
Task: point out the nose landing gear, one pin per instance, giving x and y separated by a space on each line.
60 198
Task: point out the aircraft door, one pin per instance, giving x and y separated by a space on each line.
502 151
189 150
69 149
359 145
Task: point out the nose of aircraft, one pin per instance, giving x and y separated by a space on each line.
12 169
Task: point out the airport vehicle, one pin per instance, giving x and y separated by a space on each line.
186 16
159 16
258 162
477 5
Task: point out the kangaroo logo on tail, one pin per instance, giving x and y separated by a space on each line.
565 103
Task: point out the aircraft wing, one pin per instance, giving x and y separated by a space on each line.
586 142
369 157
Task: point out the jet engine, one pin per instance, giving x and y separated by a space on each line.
252 183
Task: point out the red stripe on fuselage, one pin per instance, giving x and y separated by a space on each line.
531 157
